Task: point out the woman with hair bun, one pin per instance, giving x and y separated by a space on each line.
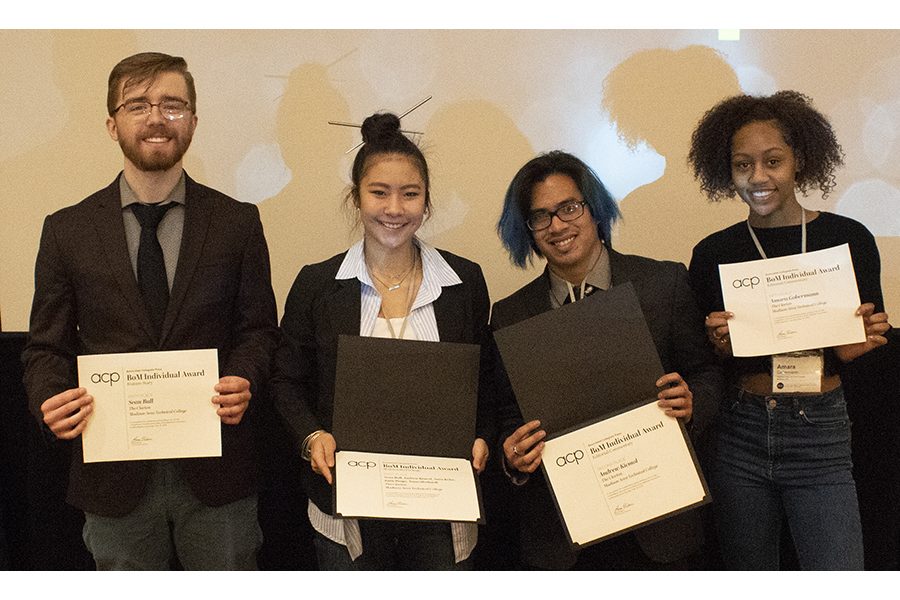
389 284
782 454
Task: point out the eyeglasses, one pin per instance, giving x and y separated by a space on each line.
567 212
169 109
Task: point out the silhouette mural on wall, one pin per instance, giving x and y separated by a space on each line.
872 156
474 149
308 208
657 96
76 160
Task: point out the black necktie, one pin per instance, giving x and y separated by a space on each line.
151 265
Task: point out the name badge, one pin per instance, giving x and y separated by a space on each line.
798 372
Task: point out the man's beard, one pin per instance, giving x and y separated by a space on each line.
136 152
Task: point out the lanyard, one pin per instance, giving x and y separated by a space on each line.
410 297
802 235
794 371
402 327
572 297
584 288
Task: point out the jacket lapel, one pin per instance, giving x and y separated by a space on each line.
111 233
344 307
197 216
619 269
535 298
451 322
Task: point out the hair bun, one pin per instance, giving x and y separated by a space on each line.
380 126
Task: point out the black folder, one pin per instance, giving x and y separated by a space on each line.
581 361
405 397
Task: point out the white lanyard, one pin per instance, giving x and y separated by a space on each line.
572 297
802 235
584 288
794 372
410 297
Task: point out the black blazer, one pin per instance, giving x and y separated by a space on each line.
676 326
319 308
87 301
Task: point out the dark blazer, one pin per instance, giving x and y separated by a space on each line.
87 301
676 326
319 308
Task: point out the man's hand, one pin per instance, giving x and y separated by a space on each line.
233 398
522 449
66 413
675 396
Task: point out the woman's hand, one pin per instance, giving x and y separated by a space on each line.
321 455
717 331
876 326
522 449
480 453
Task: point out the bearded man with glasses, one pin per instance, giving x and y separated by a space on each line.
155 261
558 209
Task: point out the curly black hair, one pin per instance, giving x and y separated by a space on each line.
805 130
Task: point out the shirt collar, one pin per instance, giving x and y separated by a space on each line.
129 197
436 272
599 277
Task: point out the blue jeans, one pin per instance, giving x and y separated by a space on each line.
393 545
780 457
168 523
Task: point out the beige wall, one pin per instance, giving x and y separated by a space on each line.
625 101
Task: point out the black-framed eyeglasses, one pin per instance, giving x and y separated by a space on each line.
169 109
569 211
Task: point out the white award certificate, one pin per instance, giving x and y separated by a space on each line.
398 486
622 472
799 302
151 405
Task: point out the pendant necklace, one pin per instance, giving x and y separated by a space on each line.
409 302
396 286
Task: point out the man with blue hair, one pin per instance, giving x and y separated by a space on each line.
558 209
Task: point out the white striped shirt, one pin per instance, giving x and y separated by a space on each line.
436 274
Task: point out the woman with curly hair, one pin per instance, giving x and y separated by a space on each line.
782 453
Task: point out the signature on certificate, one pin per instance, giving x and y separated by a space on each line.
623 508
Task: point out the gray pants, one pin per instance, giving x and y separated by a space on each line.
171 523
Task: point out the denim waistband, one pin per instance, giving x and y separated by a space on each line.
773 400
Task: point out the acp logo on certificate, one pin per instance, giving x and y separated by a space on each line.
745 282
107 378
570 458
362 464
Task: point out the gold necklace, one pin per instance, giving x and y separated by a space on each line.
391 288
396 286
409 302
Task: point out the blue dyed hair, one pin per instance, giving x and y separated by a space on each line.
512 229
